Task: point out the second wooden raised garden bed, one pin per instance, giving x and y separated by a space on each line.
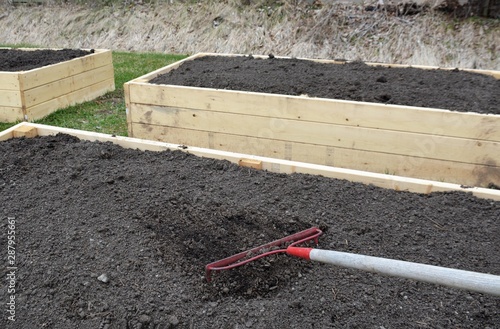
33 94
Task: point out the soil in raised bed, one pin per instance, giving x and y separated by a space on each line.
454 90
12 60
118 238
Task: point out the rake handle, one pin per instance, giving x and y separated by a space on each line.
474 281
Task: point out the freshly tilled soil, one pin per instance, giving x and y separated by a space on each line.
118 238
13 60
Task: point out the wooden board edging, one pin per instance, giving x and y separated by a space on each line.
398 183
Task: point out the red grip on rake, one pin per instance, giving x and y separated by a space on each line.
256 253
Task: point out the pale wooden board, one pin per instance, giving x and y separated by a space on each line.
368 139
7 134
79 96
43 75
274 165
448 171
9 81
349 113
11 114
10 98
67 85
126 91
250 163
25 131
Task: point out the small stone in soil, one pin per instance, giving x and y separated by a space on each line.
173 320
144 318
103 278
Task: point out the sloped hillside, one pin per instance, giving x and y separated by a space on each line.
307 29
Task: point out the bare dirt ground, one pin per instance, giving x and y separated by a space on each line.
334 30
118 238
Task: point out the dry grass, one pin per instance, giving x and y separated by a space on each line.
332 31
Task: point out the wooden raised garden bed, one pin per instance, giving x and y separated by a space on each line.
409 141
120 237
33 94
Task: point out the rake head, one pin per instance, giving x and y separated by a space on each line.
271 248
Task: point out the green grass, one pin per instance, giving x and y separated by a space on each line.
107 113
4 126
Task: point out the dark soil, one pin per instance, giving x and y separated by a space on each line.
454 90
13 60
151 221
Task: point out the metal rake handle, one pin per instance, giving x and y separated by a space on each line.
474 281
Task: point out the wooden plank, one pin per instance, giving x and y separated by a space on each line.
126 91
368 139
79 96
274 165
9 81
448 171
349 113
59 88
232 143
43 75
25 131
9 132
11 114
10 98
250 163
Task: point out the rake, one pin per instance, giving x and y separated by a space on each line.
454 278
265 250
